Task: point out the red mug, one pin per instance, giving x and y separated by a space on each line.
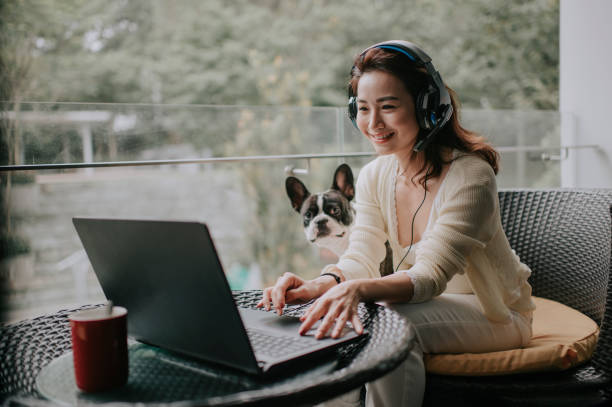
99 348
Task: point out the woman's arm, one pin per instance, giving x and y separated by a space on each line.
368 235
392 288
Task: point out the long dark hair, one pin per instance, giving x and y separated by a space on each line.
452 135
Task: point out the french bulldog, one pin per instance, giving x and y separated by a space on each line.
328 216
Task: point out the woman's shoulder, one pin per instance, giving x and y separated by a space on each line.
470 181
472 167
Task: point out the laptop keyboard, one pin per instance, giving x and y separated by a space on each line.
276 345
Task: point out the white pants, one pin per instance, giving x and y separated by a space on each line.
450 323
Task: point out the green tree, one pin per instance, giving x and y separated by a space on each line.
496 54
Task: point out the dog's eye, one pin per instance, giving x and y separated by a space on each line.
335 211
308 215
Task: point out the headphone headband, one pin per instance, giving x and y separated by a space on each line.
409 49
433 105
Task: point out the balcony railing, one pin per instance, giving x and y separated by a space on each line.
223 165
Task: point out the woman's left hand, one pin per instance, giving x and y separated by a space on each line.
338 305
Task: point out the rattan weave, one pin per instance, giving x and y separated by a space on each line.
565 236
26 347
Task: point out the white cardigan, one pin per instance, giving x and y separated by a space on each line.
464 235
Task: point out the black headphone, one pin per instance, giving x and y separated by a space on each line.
433 104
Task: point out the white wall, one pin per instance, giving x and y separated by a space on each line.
586 91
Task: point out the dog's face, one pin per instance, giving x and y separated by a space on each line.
327 216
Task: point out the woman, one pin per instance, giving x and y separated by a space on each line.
457 280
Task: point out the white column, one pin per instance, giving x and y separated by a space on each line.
585 91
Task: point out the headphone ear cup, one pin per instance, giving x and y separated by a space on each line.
352 109
426 108
420 109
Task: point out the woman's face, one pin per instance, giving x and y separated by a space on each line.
385 113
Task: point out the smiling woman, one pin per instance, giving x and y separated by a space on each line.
462 287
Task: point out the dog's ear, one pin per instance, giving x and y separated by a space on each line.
343 181
297 192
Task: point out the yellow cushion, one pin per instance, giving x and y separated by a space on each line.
562 338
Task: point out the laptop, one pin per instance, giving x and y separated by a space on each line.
170 278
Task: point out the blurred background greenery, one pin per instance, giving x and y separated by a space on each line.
496 54
121 80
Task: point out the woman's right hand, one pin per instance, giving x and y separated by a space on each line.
290 288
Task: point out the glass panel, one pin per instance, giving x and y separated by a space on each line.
46 133
512 128
258 234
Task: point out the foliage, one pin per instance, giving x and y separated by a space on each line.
496 54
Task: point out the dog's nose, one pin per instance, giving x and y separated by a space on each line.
322 222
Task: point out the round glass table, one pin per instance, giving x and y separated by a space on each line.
37 367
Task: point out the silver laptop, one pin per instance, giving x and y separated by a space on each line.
169 277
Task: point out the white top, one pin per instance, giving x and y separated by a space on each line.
463 244
458 284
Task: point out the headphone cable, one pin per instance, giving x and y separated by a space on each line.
412 226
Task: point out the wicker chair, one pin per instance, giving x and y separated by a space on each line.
564 236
